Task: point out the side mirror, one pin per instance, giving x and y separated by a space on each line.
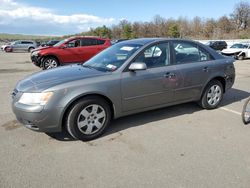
137 66
63 46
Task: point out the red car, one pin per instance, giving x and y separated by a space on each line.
73 50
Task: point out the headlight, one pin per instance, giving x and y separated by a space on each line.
35 53
35 98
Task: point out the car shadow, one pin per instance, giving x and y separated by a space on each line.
234 95
123 123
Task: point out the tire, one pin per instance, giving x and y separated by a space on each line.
88 118
212 95
246 112
49 63
241 57
30 49
7 49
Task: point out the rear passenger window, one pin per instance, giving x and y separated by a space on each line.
186 52
26 42
89 42
100 42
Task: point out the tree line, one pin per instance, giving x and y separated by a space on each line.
235 25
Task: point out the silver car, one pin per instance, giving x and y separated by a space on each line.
129 77
22 45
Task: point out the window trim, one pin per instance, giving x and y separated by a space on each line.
126 69
199 47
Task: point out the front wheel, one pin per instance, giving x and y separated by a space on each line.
246 112
30 49
49 63
241 57
88 118
212 95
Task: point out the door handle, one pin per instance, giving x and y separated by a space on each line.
205 69
170 75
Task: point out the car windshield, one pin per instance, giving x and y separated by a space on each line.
113 57
61 42
239 46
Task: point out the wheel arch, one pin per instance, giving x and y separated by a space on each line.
221 79
80 97
50 55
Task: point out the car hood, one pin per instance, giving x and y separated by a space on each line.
231 50
46 79
43 48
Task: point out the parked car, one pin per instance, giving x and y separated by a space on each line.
3 47
21 45
238 51
217 45
73 50
49 43
129 77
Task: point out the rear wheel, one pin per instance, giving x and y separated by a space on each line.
49 63
88 118
212 95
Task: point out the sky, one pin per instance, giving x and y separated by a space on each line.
50 17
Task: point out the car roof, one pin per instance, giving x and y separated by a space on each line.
144 41
91 37
148 41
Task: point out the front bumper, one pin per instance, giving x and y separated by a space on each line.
38 118
36 60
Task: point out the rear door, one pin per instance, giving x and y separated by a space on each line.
90 47
24 45
194 66
153 86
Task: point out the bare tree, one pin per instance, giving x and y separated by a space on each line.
241 15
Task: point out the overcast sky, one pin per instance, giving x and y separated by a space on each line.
49 17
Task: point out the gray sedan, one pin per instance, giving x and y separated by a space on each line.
129 77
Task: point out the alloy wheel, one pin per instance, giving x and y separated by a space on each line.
50 63
214 95
91 119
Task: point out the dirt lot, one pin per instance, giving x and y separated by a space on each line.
180 146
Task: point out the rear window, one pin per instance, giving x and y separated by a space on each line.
26 42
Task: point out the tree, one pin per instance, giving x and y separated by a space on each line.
184 27
241 15
103 32
173 31
209 27
224 24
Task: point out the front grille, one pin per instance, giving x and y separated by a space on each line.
14 93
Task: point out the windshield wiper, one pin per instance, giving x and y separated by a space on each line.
88 66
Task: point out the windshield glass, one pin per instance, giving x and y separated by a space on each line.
61 42
113 57
239 46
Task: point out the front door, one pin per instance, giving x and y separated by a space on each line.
153 86
72 52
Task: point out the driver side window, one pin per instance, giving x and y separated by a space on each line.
73 43
155 56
